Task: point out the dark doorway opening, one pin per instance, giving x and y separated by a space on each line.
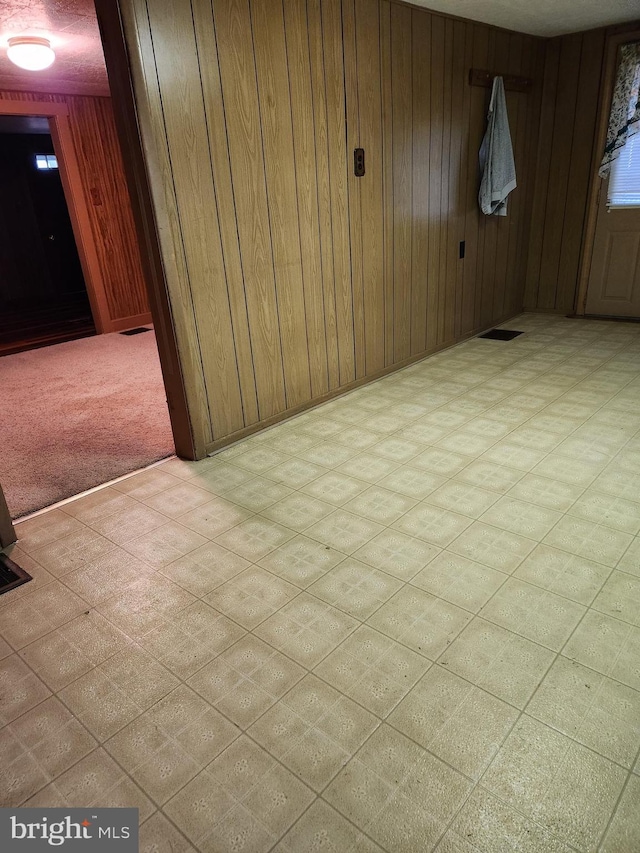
43 296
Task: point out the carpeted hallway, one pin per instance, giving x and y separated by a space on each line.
78 414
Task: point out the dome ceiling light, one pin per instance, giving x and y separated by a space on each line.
30 52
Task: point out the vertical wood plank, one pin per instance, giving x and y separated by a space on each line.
369 99
339 167
319 106
227 214
304 140
421 109
239 86
532 130
435 178
447 260
543 161
387 157
464 95
402 165
498 52
472 267
587 97
274 101
354 185
566 98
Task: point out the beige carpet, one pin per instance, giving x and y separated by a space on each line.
77 414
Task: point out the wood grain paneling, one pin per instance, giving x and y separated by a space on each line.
108 203
296 278
570 99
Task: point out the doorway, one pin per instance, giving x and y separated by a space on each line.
43 297
91 407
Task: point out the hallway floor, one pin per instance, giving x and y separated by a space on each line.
406 620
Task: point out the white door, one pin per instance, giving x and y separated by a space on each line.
614 279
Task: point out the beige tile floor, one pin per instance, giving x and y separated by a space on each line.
406 620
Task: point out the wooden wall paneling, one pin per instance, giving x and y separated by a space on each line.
435 179
422 291
584 138
159 168
561 146
520 59
354 185
473 216
532 124
481 289
402 170
498 54
319 105
498 233
304 140
221 173
543 161
280 173
186 131
387 156
449 180
507 231
102 171
340 166
328 278
369 82
464 94
239 87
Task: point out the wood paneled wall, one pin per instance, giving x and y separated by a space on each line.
289 278
570 101
107 197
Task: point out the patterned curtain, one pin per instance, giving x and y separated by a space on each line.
625 107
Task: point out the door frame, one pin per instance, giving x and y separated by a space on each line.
57 115
188 430
7 531
615 37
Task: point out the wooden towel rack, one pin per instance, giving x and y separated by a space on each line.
512 83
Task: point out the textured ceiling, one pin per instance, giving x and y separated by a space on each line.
540 17
72 27
79 67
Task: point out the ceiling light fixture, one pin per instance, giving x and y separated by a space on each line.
30 52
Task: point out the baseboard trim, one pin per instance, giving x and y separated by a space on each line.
219 444
123 323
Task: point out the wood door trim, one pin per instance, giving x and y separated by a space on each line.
189 438
58 116
7 531
614 39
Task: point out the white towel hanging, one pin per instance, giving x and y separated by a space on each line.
496 156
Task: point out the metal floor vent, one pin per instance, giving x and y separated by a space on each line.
501 335
11 575
137 331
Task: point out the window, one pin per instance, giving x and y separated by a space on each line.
624 182
44 162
